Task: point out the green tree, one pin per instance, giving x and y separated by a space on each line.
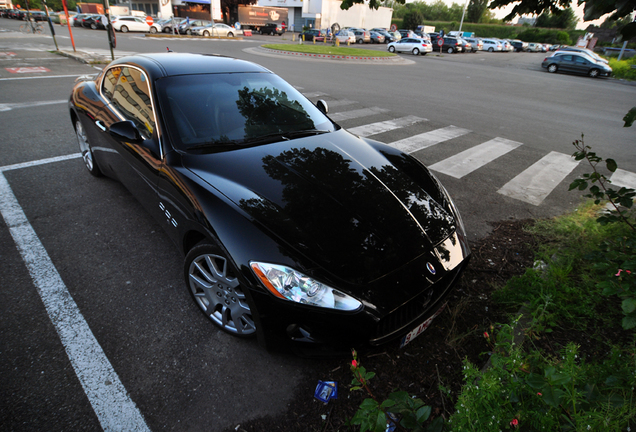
412 19
565 19
476 10
373 4
594 9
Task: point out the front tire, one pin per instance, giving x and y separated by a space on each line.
553 68
391 49
153 30
213 284
124 29
86 150
206 33
230 34
594 73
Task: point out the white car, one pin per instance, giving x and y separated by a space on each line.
345 36
217 30
492 45
412 45
125 24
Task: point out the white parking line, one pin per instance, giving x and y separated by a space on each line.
107 395
385 126
535 183
428 139
10 106
474 158
622 178
40 77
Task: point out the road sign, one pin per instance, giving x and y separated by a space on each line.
149 20
393 27
440 41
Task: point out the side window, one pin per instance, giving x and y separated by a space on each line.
109 82
132 98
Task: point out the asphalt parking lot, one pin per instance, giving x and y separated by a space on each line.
95 247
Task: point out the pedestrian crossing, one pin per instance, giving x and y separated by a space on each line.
532 185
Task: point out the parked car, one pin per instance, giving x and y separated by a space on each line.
492 45
451 45
519 46
362 36
186 26
407 33
466 46
416 46
216 30
589 52
346 36
78 20
272 29
166 25
94 22
38 15
476 44
125 24
292 228
534 47
311 34
388 36
578 63
377 37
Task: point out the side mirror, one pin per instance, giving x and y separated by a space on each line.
322 106
125 131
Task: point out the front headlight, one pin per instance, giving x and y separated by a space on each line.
289 284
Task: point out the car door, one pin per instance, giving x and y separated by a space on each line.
580 64
136 164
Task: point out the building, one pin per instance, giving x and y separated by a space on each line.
302 13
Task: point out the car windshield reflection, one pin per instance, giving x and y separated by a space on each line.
214 111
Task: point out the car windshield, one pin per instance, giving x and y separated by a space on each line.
235 109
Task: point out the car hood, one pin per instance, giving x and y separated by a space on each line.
336 199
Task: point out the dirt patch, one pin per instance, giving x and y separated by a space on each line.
434 358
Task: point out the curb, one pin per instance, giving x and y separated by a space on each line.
332 57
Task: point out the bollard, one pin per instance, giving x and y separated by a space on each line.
293 37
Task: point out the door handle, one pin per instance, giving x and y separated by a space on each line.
100 125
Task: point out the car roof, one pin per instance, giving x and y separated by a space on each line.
160 65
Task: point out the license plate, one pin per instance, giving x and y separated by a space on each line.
420 328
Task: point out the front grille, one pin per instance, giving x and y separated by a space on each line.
417 309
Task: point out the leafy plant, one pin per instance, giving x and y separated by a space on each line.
599 186
400 410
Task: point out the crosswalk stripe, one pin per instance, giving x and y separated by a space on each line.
474 158
428 139
385 126
340 102
622 178
347 115
314 94
535 183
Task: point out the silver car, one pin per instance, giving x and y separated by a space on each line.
216 30
413 45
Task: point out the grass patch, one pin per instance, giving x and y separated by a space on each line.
328 49
623 69
576 367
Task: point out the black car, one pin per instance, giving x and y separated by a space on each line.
272 29
94 22
309 35
578 63
292 228
450 45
